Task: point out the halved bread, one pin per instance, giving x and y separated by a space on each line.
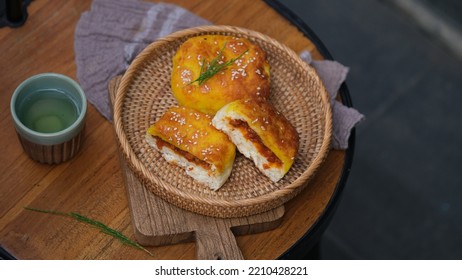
260 133
187 138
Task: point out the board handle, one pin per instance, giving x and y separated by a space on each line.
216 241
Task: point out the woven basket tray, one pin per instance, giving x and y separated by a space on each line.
144 95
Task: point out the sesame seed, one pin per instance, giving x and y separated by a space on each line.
182 121
186 76
205 89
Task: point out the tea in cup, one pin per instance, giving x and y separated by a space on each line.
49 113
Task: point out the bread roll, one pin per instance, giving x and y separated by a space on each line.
187 138
260 133
248 76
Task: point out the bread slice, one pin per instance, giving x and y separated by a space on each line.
260 133
186 137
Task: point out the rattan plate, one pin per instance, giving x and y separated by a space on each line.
144 95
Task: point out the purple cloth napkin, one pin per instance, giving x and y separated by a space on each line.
344 118
113 32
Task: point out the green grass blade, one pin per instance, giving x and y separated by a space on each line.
102 227
214 67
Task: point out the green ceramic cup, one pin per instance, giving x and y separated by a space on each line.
49 112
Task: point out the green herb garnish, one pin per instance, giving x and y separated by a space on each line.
102 227
208 70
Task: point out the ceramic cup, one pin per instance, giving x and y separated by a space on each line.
48 112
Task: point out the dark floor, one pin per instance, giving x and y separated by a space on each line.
403 197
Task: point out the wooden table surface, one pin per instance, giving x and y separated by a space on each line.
92 183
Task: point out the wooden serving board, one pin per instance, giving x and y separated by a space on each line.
157 222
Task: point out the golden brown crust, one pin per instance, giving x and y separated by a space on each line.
246 77
274 130
191 131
